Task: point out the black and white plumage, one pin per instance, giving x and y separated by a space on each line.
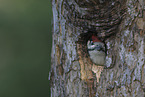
96 50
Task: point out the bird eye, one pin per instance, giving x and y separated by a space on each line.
92 43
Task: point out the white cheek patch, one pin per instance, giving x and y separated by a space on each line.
93 46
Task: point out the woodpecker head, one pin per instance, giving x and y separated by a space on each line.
96 49
95 44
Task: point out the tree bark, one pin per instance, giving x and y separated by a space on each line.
120 24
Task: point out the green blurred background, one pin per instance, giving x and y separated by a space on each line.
25 47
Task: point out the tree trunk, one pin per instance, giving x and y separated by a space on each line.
120 24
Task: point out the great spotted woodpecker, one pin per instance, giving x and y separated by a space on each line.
96 50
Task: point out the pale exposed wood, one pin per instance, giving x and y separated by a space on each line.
121 25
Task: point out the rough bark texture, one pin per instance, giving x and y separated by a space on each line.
121 25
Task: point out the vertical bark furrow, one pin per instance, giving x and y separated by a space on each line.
121 25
